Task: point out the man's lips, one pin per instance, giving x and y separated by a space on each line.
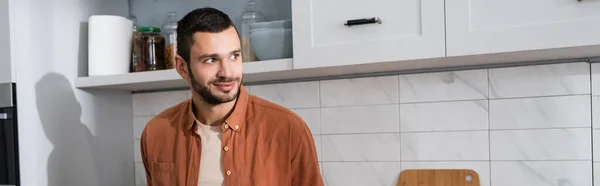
225 83
225 86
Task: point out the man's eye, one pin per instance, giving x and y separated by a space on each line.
234 56
210 60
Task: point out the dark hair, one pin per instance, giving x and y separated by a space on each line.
199 20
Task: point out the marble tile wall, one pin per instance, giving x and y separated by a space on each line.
517 126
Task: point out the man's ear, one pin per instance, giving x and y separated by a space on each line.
182 67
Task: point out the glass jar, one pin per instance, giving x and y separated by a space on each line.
251 15
170 31
152 49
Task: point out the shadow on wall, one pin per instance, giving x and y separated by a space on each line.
71 161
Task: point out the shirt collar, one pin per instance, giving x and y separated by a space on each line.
236 120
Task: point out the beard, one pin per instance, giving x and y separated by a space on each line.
209 97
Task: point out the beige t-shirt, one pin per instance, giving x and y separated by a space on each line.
211 172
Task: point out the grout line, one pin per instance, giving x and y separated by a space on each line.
362 162
544 96
489 84
399 121
320 127
433 102
592 121
360 105
459 161
455 131
444 101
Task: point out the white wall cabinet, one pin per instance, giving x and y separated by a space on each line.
411 34
409 29
6 67
416 31
491 26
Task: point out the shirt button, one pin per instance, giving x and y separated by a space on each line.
226 126
226 148
228 173
237 127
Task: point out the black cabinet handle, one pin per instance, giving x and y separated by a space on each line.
355 22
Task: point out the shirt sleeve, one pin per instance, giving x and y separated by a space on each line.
304 160
144 154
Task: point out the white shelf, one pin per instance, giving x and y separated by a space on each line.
283 69
164 79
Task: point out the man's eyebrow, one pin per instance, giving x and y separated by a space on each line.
217 55
208 56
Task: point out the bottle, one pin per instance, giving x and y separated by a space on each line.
135 46
170 32
251 15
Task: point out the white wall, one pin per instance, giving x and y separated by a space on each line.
6 66
517 126
67 137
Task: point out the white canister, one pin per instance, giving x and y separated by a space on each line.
109 45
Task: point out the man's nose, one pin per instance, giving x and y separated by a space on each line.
225 69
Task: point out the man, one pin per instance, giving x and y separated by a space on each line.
223 135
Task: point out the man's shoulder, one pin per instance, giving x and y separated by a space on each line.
166 120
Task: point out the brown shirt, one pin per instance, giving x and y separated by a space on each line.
263 144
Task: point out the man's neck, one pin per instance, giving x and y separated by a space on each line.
211 114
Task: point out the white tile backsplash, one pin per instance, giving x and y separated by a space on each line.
542 144
596 145
137 154
139 123
541 112
444 116
317 139
596 173
540 80
542 173
361 147
445 146
359 91
596 112
151 104
361 173
521 126
595 73
290 95
312 118
360 119
140 174
444 86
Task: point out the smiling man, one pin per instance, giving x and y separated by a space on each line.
223 135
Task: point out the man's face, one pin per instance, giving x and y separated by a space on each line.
215 66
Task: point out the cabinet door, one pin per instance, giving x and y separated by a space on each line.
409 29
493 26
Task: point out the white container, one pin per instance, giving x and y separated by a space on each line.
272 43
109 45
